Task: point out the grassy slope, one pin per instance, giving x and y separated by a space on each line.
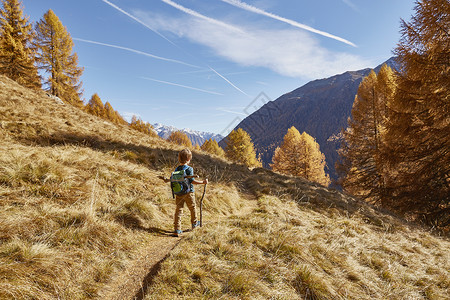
79 200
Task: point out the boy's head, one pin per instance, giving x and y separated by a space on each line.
185 156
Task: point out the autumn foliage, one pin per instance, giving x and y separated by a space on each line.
240 149
144 127
55 57
299 155
180 138
396 151
211 146
105 111
419 124
363 169
17 60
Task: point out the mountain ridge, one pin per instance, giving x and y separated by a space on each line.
195 136
320 107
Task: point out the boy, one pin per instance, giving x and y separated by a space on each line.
184 158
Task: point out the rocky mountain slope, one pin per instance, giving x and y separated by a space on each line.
320 107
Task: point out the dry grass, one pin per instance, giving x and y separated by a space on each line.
80 200
79 197
286 251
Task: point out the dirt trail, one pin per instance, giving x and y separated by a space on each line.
134 282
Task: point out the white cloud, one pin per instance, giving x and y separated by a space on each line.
288 52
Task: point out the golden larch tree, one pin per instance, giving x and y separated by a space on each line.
95 106
419 116
363 170
180 138
17 55
300 155
240 149
141 126
55 57
211 146
113 115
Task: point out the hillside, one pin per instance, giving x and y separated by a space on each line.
320 107
83 215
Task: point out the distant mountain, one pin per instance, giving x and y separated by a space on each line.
196 137
320 107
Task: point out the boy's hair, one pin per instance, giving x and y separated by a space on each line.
184 156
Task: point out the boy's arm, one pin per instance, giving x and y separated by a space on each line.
164 178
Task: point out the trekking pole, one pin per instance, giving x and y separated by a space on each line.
201 206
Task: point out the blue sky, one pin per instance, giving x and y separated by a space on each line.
199 63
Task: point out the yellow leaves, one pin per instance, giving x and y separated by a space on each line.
55 57
211 146
16 56
142 126
300 155
180 138
240 148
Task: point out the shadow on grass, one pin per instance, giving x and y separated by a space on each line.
148 280
257 182
154 158
132 222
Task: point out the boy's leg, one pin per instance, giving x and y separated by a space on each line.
190 201
179 200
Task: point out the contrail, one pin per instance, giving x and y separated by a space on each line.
248 7
136 51
231 111
137 20
199 15
230 82
155 31
180 85
353 6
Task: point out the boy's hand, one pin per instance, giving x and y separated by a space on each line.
163 178
205 181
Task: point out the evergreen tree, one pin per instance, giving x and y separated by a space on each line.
299 155
180 138
419 122
240 149
55 57
95 106
17 56
211 146
363 171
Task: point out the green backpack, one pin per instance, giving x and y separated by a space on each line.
179 182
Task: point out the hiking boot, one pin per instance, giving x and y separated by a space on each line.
177 233
195 225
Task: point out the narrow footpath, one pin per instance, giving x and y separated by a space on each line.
134 282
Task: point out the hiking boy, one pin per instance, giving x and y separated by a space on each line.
184 158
